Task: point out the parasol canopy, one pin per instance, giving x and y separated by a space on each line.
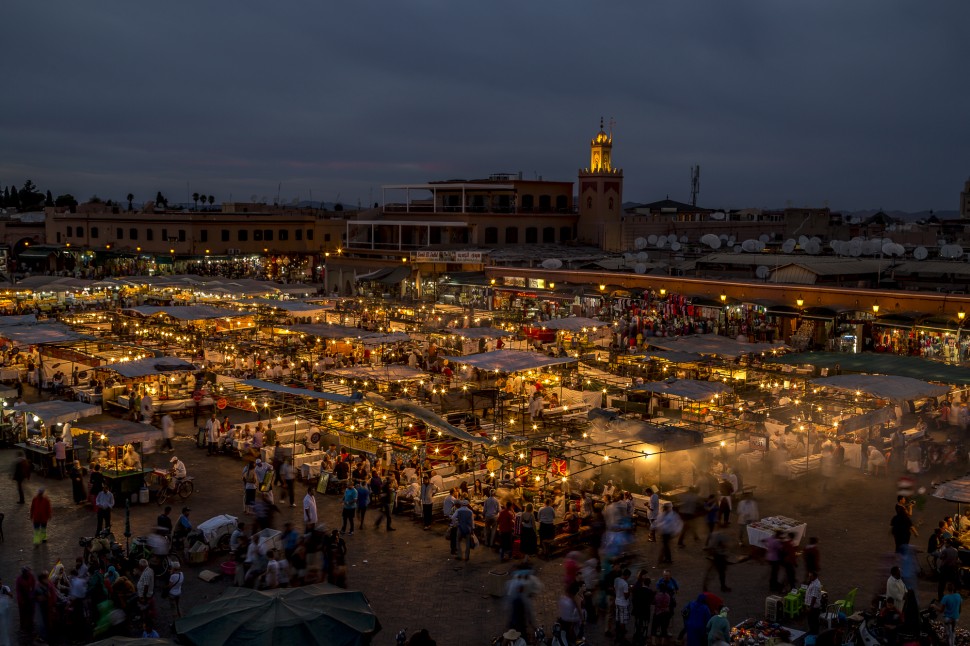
320 614
955 490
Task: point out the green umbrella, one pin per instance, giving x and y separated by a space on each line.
320 614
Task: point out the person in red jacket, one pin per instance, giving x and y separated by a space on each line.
40 515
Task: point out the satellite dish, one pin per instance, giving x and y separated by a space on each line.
552 263
731 240
640 268
715 243
888 248
813 248
920 253
749 246
950 251
643 256
737 248
855 248
717 215
640 243
788 246
762 272
652 238
764 237
661 242
675 246
802 241
816 240
684 239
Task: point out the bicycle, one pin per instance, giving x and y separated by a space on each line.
183 489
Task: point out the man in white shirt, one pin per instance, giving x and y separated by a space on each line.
309 510
813 601
437 481
490 510
178 469
747 514
146 583
168 432
622 588
104 502
212 433
895 588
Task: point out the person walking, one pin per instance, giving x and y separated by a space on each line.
950 606
40 515
21 472
653 512
427 500
385 499
720 549
168 433
309 510
349 509
175 581
212 434
813 602
505 523
104 503
465 527
288 474
77 483
363 500
60 457
490 510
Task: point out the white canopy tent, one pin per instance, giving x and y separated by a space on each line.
512 360
713 344
690 389
150 366
890 387
60 412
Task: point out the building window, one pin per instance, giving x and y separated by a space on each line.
242 235
164 235
565 234
284 235
561 203
58 236
545 203
204 235
149 234
528 201
94 232
119 234
181 235
309 234
257 235
68 233
79 232
549 234
531 235
491 235
299 234
511 235
326 237
225 235
132 234
268 235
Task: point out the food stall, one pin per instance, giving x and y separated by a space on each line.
41 423
118 446
167 382
9 433
766 527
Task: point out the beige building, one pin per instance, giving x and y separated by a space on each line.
601 197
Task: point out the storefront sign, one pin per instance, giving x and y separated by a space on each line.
449 256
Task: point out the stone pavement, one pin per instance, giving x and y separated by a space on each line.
412 583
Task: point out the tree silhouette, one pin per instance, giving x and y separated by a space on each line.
160 200
212 199
50 199
195 198
131 198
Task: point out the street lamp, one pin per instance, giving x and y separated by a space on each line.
961 315
723 298
663 292
875 308
602 287
799 301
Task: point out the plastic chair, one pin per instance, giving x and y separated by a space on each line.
847 605
792 605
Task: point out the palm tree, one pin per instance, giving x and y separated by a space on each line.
131 198
195 198
212 199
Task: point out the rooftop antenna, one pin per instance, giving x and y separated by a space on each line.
695 183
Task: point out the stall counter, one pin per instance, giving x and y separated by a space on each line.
766 527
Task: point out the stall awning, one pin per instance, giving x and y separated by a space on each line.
150 366
413 409
385 373
41 334
478 332
60 412
573 324
187 312
512 360
690 389
300 308
303 392
119 431
674 356
395 276
866 420
391 337
884 386
884 363
713 344
18 319
325 331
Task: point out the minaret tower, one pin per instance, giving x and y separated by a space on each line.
601 195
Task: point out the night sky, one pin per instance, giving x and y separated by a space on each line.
857 105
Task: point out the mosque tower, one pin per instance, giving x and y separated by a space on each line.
601 196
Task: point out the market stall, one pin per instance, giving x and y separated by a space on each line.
119 446
766 527
41 423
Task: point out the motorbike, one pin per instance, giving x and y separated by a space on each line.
101 547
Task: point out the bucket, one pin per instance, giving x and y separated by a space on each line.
229 568
495 583
143 495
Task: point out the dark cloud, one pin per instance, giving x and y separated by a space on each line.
856 104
